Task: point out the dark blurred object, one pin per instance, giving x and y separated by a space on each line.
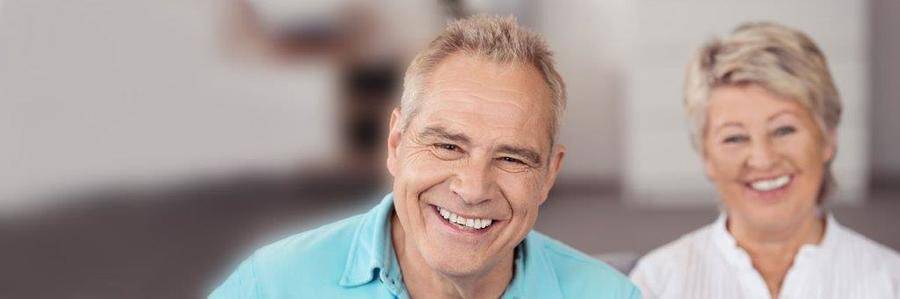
369 91
268 28
455 8
341 33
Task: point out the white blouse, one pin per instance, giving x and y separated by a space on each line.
707 263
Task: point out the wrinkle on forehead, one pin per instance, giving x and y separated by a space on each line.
500 95
489 122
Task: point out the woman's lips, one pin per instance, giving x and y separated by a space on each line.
769 189
765 185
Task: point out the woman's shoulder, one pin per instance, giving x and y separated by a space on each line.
862 252
659 265
694 242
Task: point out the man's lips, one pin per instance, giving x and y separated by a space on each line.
462 221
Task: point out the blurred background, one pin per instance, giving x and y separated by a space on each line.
146 147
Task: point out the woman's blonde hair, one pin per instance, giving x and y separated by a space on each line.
784 61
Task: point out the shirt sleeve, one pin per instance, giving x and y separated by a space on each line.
240 284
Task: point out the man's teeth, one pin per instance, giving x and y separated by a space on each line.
768 185
475 223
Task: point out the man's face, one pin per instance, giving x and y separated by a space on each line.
474 164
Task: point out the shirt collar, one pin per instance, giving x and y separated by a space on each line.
535 276
727 245
830 238
372 252
734 254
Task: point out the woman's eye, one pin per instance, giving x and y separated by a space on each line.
734 139
786 130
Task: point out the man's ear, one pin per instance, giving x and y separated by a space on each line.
393 141
554 166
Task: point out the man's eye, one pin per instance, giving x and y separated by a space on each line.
734 139
447 147
786 130
446 151
512 160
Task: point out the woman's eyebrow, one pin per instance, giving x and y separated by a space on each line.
728 124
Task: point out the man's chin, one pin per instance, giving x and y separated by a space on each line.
456 265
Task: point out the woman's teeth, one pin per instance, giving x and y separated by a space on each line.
474 223
769 185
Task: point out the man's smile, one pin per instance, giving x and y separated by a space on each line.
463 224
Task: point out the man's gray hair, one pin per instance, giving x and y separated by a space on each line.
499 39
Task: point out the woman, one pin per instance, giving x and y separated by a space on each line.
764 111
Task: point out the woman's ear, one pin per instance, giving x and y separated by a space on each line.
709 166
830 145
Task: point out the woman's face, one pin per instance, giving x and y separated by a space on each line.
766 156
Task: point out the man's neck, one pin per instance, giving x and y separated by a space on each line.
422 281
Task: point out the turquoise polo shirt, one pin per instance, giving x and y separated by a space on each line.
354 258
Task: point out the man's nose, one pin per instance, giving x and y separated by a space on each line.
474 182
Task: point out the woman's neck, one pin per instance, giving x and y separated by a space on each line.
772 250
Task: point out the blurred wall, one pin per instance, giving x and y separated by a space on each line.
110 93
589 40
885 63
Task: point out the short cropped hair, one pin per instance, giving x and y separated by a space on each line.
783 61
498 39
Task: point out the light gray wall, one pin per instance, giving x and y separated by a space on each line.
885 83
107 92
587 38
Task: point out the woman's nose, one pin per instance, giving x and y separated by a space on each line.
762 155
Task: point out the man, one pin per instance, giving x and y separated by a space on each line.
473 155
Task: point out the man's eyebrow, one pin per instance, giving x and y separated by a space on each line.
526 153
442 133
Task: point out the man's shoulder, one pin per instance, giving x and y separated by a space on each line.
303 264
580 274
321 249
